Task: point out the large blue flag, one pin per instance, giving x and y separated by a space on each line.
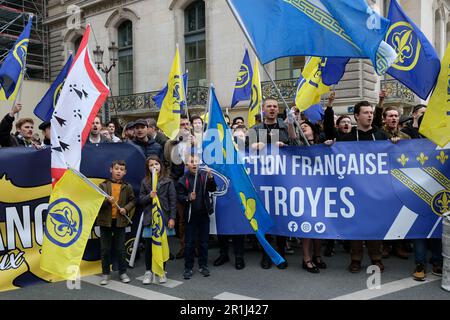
243 86
44 109
280 28
333 70
226 160
417 65
14 63
366 28
160 96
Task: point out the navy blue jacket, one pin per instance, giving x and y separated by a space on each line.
151 147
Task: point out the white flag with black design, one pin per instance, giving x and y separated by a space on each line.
80 100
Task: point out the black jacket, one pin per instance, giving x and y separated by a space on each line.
282 129
203 202
411 131
151 147
365 135
6 138
167 196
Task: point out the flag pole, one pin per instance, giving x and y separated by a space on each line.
264 67
97 188
22 77
136 242
186 91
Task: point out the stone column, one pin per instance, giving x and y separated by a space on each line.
443 32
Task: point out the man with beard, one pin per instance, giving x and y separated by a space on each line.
276 132
95 135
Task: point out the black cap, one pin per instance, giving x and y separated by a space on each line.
141 122
129 125
404 119
44 125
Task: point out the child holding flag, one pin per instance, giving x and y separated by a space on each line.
197 218
167 196
112 219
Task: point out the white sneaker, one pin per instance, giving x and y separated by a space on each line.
124 278
105 279
154 279
163 279
147 277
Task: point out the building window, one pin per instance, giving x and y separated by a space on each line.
76 45
289 67
195 44
125 44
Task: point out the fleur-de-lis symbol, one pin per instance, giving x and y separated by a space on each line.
250 209
403 159
444 202
422 158
402 43
63 223
442 157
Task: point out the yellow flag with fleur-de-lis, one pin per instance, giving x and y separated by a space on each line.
73 208
174 101
160 245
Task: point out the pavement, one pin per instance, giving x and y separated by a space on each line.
251 283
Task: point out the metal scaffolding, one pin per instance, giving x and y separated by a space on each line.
13 18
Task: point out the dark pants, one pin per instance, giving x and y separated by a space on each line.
181 226
148 255
374 247
107 235
238 244
198 224
421 250
280 246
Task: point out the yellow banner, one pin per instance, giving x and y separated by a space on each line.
169 116
74 206
436 121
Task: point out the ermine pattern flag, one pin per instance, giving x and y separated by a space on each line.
81 98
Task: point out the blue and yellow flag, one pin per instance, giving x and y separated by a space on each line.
321 28
229 163
334 70
174 101
161 95
417 65
44 109
436 121
310 86
243 86
72 211
256 98
11 71
160 246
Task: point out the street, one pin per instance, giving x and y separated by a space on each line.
251 283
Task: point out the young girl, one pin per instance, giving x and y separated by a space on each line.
316 263
167 197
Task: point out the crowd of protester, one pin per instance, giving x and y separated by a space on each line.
184 194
